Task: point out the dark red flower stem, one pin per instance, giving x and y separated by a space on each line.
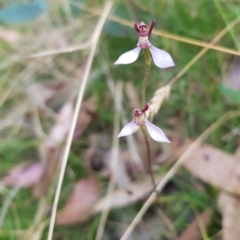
148 166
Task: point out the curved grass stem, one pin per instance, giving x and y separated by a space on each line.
95 38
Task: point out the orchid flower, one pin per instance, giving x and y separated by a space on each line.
140 121
161 58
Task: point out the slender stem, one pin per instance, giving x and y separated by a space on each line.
175 168
95 37
149 167
146 76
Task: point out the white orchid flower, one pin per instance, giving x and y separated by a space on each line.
139 120
161 58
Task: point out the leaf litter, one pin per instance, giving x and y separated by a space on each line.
57 136
222 170
211 165
229 205
124 198
25 174
84 202
79 205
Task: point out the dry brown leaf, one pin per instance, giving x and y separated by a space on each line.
57 136
211 165
85 116
230 208
130 194
61 127
193 232
25 174
80 203
51 145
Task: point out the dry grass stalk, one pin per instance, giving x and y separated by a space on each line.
217 38
51 52
95 38
167 222
163 92
6 204
161 33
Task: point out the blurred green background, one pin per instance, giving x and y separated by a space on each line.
37 80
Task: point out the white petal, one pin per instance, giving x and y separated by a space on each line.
155 132
129 57
127 129
161 58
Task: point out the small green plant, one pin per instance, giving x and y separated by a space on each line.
161 59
